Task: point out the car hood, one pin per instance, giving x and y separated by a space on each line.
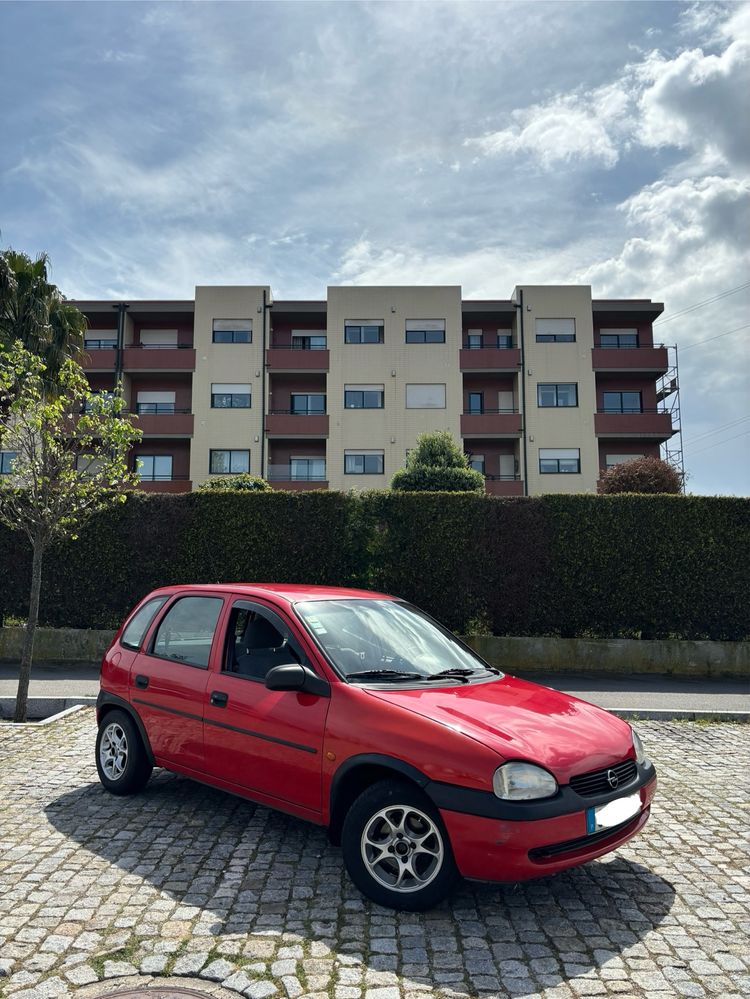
522 720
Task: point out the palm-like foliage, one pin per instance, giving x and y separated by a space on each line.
34 311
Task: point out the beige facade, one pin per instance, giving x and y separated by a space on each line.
394 365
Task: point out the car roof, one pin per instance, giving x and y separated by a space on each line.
288 592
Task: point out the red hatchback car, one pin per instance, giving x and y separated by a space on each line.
357 711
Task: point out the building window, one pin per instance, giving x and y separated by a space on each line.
6 461
504 339
308 341
425 331
364 396
559 461
100 339
619 459
622 402
154 467
233 331
307 404
307 469
228 462
474 339
155 402
556 394
230 396
364 462
476 461
476 402
158 339
618 338
555 330
425 396
363 331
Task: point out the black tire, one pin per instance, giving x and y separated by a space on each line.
420 852
129 770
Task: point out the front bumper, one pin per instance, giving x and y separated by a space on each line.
498 849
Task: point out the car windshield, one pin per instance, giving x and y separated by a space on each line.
386 641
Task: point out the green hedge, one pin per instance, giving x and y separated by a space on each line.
588 566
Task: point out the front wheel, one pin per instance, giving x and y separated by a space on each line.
396 849
121 759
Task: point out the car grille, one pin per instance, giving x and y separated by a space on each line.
597 781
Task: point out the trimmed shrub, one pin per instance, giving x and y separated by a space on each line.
641 475
243 482
437 464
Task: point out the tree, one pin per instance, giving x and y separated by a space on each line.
69 460
437 464
641 475
35 312
242 482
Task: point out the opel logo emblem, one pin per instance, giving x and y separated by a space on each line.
612 779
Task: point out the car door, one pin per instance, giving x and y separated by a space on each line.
168 679
268 741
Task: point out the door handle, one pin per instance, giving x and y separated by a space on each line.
141 681
219 698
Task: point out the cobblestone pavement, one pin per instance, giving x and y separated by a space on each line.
189 882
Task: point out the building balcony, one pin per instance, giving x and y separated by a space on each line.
155 357
652 423
284 423
99 359
164 423
296 359
490 359
491 423
175 484
503 485
643 360
292 477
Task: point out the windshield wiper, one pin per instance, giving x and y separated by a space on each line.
385 674
456 673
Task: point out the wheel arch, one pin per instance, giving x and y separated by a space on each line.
106 703
358 773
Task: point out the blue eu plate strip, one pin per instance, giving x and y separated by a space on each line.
590 821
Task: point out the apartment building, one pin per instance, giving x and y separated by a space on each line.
545 389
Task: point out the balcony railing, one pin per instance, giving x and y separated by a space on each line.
158 346
488 346
100 345
483 410
502 478
297 412
167 408
278 473
162 478
296 346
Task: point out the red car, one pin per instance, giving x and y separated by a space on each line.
357 711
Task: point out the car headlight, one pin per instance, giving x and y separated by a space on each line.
521 781
640 752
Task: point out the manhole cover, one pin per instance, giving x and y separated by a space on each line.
153 992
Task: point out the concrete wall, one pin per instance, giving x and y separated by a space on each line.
614 655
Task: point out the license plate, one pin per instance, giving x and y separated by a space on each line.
614 813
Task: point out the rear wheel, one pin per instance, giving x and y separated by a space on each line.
396 849
121 759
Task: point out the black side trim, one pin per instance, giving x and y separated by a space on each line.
112 700
375 759
570 845
454 798
231 728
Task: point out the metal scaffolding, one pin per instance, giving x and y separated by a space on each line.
668 398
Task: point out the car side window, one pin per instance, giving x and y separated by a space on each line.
136 628
186 631
258 640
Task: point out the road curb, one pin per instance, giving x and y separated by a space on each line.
678 714
43 710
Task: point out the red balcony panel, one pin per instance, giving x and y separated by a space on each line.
165 424
166 485
504 487
657 425
651 359
490 359
297 425
168 359
492 424
299 485
280 359
99 359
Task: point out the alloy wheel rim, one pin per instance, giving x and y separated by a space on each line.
113 751
402 848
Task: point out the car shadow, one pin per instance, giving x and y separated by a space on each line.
245 869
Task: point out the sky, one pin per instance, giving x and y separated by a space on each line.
152 147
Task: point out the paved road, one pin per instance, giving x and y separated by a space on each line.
642 692
183 880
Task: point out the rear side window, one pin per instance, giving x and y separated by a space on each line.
186 631
138 625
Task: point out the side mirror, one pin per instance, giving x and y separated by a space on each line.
293 676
